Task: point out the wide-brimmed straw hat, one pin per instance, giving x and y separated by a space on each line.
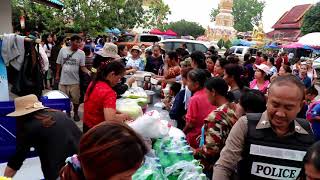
109 50
25 105
136 48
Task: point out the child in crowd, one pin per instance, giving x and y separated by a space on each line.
174 90
251 101
178 110
313 113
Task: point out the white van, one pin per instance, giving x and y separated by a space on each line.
240 51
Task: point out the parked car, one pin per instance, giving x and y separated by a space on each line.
131 40
192 45
240 51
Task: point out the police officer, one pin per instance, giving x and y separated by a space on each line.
270 145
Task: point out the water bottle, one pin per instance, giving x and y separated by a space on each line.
203 177
199 169
165 159
188 156
157 144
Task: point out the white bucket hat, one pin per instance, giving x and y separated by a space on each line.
109 50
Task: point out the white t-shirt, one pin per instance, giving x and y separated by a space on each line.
47 50
70 66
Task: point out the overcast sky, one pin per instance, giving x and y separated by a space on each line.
199 10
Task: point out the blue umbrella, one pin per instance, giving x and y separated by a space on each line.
272 46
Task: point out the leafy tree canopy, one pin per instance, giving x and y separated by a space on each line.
311 21
245 12
185 28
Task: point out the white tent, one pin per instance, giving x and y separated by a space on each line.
311 39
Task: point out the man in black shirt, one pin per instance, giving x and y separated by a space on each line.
155 61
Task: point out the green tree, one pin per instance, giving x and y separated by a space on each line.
311 21
155 15
228 44
220 43
185 28
245 12
214 12
79 15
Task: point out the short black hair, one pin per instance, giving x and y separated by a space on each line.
220 87
312 90
253 101
214 58
172 55
223 62
184 45
75 37
286 80
313 155
87 50
175 88
182 52
200 59
271 59
237 73
198 75
265 57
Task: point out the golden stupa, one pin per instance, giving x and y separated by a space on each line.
224 21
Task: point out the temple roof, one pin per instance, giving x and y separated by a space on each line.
292 19
291 35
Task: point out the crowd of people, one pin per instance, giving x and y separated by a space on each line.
248 118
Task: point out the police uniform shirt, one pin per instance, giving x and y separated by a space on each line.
231 154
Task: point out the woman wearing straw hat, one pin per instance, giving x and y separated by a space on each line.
53 135
135 61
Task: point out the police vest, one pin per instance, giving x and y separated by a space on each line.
266 156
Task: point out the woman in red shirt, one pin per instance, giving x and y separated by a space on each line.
100 99
199 106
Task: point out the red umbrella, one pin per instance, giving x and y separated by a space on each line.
169 32
156 31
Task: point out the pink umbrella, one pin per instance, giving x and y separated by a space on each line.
293 46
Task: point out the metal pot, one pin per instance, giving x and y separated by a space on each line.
150 96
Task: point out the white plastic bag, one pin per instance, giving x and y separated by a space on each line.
129 107
135 93
150 125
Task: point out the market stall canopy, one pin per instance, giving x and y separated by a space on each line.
53 3
241 42
272 46
297 45
170 32
292 45
311 39
157 32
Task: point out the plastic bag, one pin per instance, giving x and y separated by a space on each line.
135 93
129 107
185 170
150 170
150 125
